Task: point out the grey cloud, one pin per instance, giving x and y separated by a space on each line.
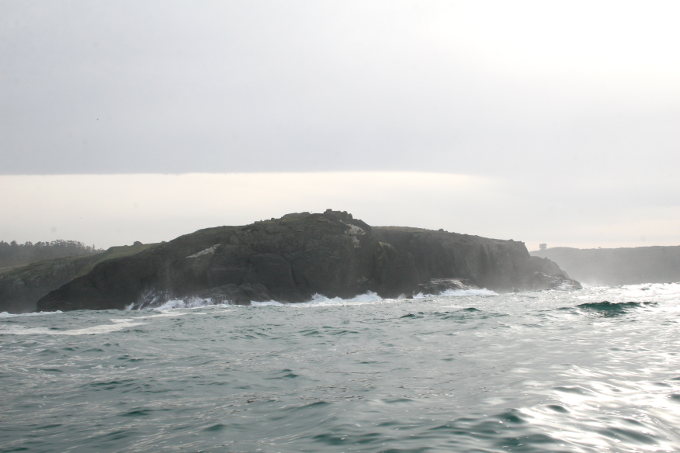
177 86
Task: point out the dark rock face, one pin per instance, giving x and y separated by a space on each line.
292 258
22 287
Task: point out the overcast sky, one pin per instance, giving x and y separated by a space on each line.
542 121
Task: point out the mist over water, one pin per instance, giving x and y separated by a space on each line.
584 371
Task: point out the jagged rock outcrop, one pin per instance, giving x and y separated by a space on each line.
291 258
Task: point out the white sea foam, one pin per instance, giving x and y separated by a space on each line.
319 300
118 324
645 292
459 293
4 314
367 297
267 303
164 314
191 302
470 292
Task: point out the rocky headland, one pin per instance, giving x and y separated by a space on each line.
22 286
292 258
618 266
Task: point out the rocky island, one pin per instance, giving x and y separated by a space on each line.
298 255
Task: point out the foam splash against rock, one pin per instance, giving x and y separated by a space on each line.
483 292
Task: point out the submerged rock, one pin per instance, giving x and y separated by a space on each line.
294 257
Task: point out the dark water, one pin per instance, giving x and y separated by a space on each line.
587 371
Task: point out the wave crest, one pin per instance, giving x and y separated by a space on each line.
459 293
613 308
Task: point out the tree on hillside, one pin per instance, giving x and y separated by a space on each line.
14 254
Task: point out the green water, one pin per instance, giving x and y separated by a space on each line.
587 371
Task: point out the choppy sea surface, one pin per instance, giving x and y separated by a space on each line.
593 370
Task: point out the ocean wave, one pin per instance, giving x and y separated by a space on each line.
319 300
652 291
459 293
648 291
118 324
267 303
612 308
370 297
192 302
5 314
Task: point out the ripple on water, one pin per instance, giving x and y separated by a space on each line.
111 385
462 315
215 428
575 389
628 435
415 375
137 412
557 408
507 430
283 374
335 439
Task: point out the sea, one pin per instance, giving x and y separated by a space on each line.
592 370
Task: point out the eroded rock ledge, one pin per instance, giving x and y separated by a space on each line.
291 258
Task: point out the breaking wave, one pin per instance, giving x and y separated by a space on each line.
459 293
117 325
607 308
4 314
192 302
319 300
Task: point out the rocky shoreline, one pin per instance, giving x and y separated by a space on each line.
298 255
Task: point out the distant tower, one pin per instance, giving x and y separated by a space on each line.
543 246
